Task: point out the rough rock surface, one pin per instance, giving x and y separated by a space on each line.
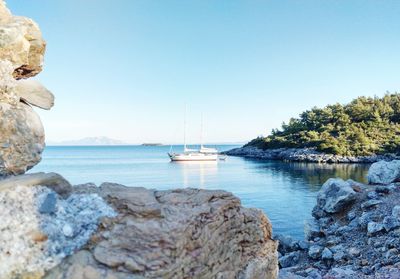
187 233
32 241
335 195
21 43
358 240
384 172
34 93
21 138
304 155
21 56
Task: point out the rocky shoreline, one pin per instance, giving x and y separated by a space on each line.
354 231
113 231
305 155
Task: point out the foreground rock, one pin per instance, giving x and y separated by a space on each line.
185 233
355 232
22 137
21 43
304 155
39 228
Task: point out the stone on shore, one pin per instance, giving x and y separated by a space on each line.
383 172
34 93
184 233
334 196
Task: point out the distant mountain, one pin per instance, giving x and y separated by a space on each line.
90 141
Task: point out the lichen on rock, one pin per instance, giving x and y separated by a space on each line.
32 240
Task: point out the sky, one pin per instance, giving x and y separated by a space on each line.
126 69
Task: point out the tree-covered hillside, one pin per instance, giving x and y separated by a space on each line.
365 126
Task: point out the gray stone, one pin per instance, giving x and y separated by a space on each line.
390 223
354 252
312 229
341 273
49 204
290 259
315 251
335 195
303 245
370 203
374 228
286 244
372 195
396 212
383 172
326 254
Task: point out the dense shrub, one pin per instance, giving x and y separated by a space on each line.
365 126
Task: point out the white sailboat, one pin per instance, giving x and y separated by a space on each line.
202 154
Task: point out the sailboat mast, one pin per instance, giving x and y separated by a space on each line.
201 133
184 131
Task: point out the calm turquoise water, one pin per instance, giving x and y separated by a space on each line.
285 191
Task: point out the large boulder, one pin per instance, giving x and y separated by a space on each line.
186 233
383 172
21 138
21 43
334 196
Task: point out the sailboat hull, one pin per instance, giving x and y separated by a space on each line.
192 157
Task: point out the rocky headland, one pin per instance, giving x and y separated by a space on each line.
354 231
305 155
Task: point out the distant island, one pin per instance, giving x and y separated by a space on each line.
364 127
91 141
152 144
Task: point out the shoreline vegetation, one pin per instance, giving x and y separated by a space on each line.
364 131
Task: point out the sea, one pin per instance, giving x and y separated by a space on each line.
285 191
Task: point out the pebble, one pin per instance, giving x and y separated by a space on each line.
373 228
315 251
326 254
48 206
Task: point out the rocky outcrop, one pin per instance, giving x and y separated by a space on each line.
39 228
21 43
21 56
384 172
184 233
304 155
355 233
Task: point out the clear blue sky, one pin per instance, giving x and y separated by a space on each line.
125 68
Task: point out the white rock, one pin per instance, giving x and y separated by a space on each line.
335 194
68 230
383 172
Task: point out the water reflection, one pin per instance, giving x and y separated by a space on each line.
312 174
200 171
